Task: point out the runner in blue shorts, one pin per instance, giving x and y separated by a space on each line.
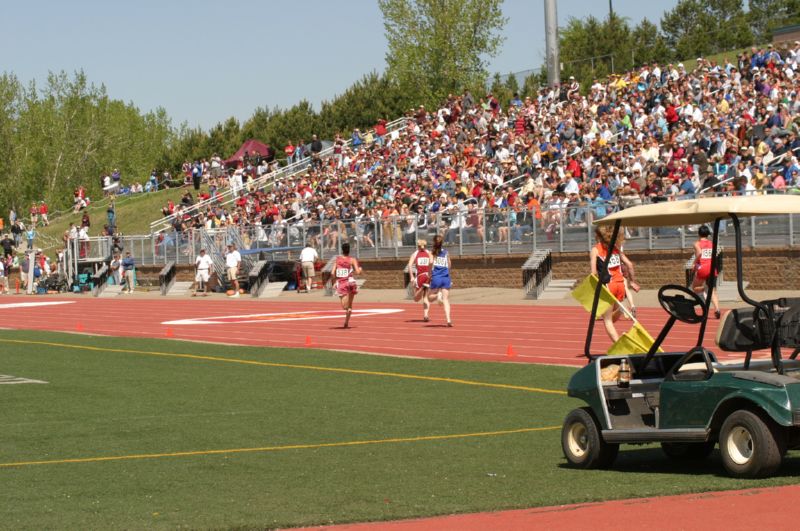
440 277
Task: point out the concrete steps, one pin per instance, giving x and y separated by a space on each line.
181 289
270 290
558 289
112 290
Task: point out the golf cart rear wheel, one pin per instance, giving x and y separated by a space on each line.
688 451
582 442
751 446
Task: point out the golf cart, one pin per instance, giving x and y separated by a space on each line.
688 401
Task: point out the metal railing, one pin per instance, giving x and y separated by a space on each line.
466 233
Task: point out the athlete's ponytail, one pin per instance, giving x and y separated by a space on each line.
437 244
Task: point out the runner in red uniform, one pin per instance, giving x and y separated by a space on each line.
419 267
614 265
346 287
703 249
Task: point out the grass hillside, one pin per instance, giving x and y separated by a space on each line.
720 58
134 215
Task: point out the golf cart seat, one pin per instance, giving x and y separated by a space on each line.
738 332
741 332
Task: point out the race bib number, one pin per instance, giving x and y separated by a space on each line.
440 261
613 261
425 261
342 272
705 254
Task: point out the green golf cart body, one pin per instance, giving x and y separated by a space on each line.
690 401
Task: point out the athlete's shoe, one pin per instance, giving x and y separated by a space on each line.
235 295
426 319
439 298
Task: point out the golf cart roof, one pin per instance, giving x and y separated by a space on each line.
703 210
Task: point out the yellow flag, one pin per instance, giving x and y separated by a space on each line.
584 293
635 341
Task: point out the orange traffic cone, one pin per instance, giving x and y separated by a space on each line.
308 341
170 332
79 327
510 351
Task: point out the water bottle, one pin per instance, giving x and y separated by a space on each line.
624 376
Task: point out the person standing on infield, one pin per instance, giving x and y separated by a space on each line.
128 265
346 287
232 261
308 256
202 265
419 270
440 277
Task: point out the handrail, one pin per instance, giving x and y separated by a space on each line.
99 280
285 171
258 276
166 277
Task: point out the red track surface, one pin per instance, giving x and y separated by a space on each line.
728 510
537 334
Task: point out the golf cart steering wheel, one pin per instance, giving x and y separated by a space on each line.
678 306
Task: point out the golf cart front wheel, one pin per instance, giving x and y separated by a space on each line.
582 442
751 447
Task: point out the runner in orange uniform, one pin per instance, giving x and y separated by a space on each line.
613 264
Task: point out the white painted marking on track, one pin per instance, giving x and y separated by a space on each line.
280 316
32 304
6 379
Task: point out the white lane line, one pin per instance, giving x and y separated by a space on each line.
32 304
277 317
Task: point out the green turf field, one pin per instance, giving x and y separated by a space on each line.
132 433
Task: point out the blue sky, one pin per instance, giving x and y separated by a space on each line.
204 61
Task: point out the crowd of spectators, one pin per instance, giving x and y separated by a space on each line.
493 171
560 157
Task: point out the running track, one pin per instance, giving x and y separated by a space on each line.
535 334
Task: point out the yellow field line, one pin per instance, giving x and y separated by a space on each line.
279 448
293 366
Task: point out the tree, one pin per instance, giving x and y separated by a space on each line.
438 47
648 45
702 27
592 48
533 82
767 15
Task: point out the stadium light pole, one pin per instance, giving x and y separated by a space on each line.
551 43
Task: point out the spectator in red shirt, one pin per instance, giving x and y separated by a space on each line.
43 213
289 152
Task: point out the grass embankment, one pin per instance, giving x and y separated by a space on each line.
279 437
134 214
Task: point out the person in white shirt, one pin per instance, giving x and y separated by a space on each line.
232 261
202 265
308 256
